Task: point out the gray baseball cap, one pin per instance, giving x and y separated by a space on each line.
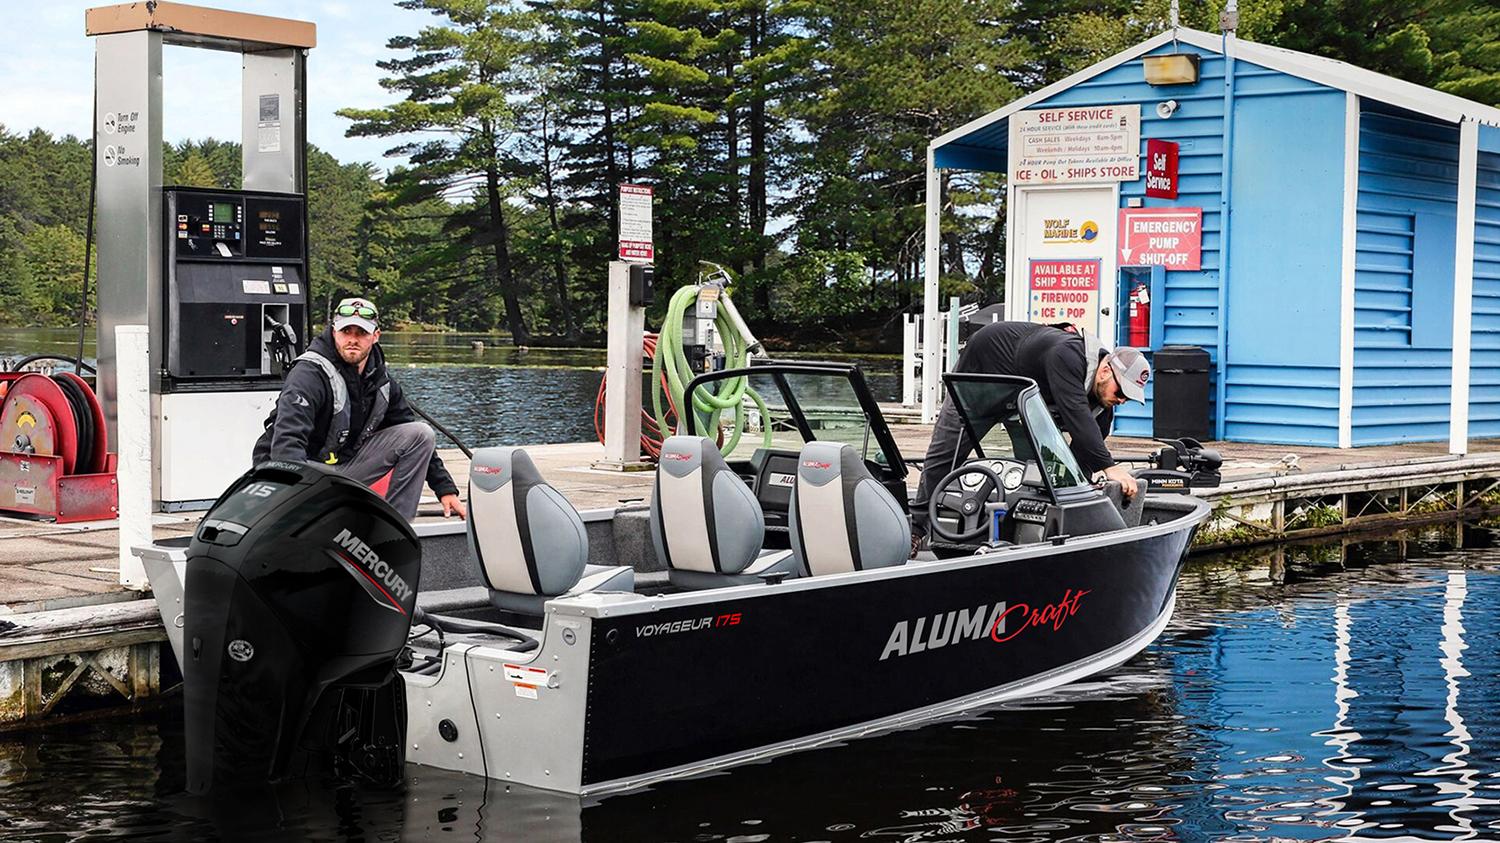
356 311
1132 372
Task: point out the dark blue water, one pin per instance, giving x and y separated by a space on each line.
1301 693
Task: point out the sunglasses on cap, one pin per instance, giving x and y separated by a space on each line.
363 311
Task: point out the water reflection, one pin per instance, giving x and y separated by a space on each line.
1305 693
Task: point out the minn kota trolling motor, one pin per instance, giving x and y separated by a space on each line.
301 586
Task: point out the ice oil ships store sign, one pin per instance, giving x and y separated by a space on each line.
1066 165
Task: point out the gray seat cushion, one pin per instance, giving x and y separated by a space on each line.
704 519
1131 508
841 518
528 541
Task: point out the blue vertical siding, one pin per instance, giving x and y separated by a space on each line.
1191 302
1484 373
1282 378
1403 289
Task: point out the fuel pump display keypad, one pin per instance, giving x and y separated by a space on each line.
211 226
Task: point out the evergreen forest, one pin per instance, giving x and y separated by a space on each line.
784 140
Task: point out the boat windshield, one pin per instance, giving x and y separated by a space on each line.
782 406
1008 418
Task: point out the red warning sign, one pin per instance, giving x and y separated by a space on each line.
1065 290
1167 237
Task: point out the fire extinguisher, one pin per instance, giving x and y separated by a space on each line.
1140 316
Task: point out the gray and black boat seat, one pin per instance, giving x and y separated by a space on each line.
842 519
706 524
1131 507
528 541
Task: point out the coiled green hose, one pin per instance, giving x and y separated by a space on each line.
671 358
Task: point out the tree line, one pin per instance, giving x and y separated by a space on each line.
784 139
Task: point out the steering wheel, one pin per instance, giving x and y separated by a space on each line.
970 508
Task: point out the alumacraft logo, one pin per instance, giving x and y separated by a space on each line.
380 574
972 624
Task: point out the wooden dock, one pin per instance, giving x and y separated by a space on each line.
73 641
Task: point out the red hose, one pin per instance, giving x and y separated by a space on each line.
651 434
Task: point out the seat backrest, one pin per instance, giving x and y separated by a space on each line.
703 516
842 519
524 534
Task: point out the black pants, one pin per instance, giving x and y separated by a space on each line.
949 446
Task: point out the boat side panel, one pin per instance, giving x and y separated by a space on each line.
786 664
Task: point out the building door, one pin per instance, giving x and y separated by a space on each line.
1063 261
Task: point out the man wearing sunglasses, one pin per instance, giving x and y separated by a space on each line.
340 407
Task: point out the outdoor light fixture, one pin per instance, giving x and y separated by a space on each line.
1171 69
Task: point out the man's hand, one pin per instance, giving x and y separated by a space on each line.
453 506
1128 484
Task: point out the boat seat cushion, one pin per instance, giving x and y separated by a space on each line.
527 539
704 518
842 519
768 563
1131 508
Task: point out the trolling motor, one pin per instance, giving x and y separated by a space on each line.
1182 465
301 588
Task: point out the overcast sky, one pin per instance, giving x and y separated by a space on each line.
47 71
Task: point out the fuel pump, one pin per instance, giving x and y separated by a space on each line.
217 277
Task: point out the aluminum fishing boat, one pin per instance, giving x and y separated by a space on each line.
764 601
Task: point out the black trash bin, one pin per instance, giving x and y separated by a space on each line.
1180 400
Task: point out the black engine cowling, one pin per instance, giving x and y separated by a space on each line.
301 585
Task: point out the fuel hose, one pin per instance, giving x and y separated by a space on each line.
670 362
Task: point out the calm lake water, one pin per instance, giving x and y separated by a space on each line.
499 395
1315 692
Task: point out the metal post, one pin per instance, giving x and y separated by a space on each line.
950 339
622 390
909 366
128 152
1463 286
931 317
133 475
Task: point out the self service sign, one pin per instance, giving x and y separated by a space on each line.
1072 145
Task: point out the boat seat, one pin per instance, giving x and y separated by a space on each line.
530 544
706 524
1130 510
842 519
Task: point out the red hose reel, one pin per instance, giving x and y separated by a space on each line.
54 455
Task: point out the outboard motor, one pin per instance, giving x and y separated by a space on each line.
301 586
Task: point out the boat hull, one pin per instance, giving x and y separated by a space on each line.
682 684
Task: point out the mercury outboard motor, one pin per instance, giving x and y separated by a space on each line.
301 586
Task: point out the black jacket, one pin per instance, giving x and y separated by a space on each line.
298 426
1054 358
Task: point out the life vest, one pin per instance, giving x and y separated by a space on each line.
338 422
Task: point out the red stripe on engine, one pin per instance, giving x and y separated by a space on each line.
358 570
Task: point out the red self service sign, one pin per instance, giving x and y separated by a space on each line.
1065 290
1161 169
1166 237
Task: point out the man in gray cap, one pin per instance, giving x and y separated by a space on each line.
1081 381
340 407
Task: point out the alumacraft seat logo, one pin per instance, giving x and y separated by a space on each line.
381 577
972 624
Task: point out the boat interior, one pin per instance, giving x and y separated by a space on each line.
780 471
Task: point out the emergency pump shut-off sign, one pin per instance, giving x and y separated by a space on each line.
1065 290
1080 144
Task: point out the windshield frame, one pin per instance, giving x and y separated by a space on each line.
875 423
1028 392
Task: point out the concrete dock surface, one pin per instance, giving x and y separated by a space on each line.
47 566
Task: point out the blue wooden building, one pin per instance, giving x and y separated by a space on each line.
1348 282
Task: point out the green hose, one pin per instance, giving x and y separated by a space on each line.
671 357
